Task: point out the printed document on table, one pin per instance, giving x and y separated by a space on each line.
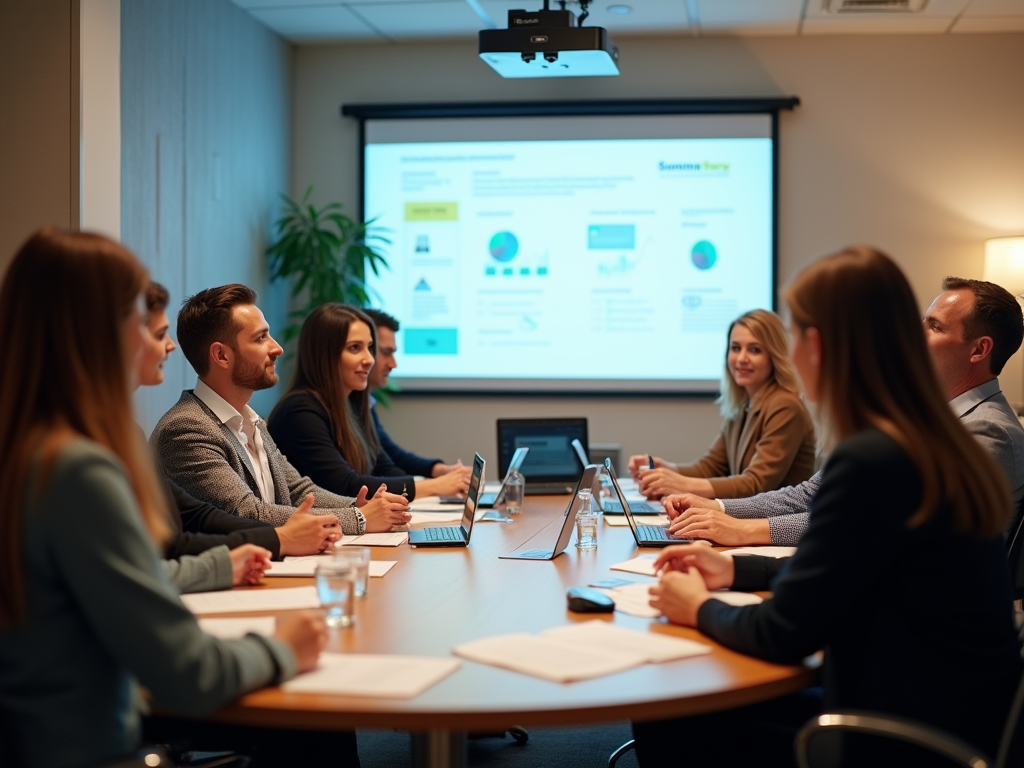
379 676
239 600
433 504
548 659
426 518
306 566
644 564
376 539
775 552
654 646
633 599
230 629
619 521
736 598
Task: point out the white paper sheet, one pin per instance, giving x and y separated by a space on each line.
655 647
393 539
619 521
633 599
426 518
238 600
776 552
229 629
306 566
547 659
644 565
379 676
433 504
736 598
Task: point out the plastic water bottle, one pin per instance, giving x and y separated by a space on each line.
586 522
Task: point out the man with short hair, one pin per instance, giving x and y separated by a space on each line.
217 448
384 364
972 328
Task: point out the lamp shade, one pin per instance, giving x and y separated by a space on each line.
1004 263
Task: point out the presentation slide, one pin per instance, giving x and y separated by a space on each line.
571 263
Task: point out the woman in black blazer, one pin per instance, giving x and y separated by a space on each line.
324 425
901 577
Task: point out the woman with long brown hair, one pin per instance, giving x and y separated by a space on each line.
86 609
324 425
911 603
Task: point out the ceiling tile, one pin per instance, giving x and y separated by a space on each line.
647 15
732 16
861 25
313 24
426 19
947 9
995 8
1003 24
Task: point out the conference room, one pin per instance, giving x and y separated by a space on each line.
175 127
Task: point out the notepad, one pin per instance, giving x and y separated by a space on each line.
620 521
643 565
654 646
376 539
239 600
775 552
426 518
546 658
633 599
433 504
230 629
377 676
306 566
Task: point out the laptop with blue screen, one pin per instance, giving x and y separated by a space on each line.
454 535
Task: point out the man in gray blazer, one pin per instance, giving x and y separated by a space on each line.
212 444
972 329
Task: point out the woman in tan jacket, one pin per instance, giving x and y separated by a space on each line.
767 439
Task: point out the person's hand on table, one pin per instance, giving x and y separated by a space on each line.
663 481
454 483
679 596
440 469
678 503
306 534
715 525
248 564
715 567
306 633
383 510
640 462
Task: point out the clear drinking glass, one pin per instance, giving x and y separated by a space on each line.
586 522
514 489
360 559
335 586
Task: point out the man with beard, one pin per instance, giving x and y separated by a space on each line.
212 444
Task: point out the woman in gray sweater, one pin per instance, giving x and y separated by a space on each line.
87 612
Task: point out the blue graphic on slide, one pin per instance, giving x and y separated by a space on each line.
504 246
704 255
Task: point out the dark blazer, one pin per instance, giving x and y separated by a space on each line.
405 460
302 430
771 448
199 526
915 622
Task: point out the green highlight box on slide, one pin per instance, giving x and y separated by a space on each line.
431 211
431 341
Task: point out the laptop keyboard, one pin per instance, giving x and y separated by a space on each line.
652 533
615 508
442 533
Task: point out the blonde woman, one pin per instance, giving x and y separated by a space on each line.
767 438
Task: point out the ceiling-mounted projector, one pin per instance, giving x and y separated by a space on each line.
549 44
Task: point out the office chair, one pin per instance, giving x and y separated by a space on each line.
1011 746
614 757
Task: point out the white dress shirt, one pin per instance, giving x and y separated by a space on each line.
243 425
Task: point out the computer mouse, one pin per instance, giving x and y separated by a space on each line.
586 600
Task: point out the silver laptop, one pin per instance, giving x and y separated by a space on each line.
611 506
488 500
454 535
644 535
568 520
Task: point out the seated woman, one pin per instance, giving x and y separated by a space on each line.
914 610
767 439
323 425
86 609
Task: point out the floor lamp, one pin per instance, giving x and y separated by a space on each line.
1004 265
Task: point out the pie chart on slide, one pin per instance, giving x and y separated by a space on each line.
703 255
504 246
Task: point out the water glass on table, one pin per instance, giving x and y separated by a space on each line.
515 486
586 522
360 559
335 586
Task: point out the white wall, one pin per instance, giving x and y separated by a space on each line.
912 144
205 153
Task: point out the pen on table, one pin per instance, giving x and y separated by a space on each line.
650 461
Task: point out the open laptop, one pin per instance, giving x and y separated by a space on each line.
568 520
488 500
611 506
454 535
551 466
644 535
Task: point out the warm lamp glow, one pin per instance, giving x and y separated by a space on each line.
1004 263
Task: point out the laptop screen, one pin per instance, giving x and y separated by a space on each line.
476 482
622 497
551 457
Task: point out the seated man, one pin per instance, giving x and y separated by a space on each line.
384 364
213 445
972 329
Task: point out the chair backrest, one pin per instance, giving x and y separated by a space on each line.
1011 746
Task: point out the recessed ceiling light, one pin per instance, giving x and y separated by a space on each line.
620 9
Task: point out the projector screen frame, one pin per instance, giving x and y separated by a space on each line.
770 106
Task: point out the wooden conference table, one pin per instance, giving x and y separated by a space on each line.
434 599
